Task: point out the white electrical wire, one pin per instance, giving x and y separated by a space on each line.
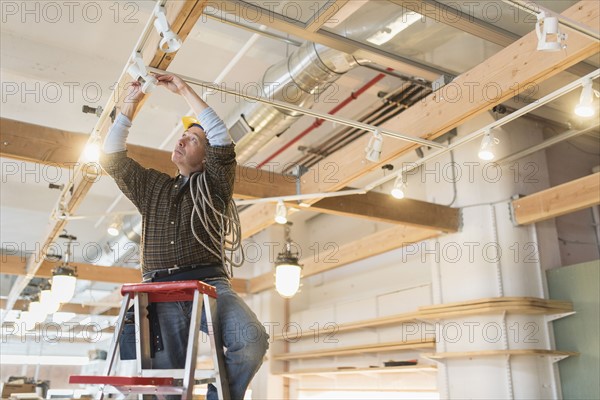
223 228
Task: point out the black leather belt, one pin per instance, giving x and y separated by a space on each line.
186 272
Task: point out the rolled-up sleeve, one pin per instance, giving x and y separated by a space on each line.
214 127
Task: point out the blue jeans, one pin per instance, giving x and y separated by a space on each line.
244 337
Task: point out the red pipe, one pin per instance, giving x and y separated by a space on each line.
319 121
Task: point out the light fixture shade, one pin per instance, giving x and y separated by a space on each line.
585 108
49 302
287 279
486 150
63 284
398 189
280 213
37 313
27 319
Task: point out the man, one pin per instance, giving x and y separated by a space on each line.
169 248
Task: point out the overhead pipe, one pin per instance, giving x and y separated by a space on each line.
287 106
319 121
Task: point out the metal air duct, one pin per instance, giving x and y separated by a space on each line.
298 80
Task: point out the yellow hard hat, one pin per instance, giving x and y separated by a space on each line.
190 121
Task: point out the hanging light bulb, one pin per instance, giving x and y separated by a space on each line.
585 108
36 311
64 280
280 213
49 302
91 152
399 187
287 269
486 150
27 320
64 277
373 149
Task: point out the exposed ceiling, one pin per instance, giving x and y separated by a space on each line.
71 57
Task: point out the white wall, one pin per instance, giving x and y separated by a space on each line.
488 257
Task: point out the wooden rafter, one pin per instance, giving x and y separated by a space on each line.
559 200
15 265
61 148
384 208
22 305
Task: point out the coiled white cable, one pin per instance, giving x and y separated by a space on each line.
223 228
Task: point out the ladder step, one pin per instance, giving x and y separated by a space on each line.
121 380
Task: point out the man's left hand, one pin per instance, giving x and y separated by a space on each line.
173 83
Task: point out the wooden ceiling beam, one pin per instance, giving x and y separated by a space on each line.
15 265
22 305
49 146
559 200
383 207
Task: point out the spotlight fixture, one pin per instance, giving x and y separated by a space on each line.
287 269
401 23
170 42
373 149
64 277
399 187
138 71
486 150
585 108
115 227
548 33
280 213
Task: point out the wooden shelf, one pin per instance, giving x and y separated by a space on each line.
350 371
349 350
513 305
367 323
516 305
559 355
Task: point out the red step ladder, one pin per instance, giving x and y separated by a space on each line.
162 382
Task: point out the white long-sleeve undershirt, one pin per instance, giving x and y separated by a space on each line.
214 127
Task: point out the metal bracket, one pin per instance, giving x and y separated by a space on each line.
511 209
554 317
298 171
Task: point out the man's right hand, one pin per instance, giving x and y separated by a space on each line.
132 99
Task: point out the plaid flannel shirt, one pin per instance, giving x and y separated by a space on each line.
166 206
